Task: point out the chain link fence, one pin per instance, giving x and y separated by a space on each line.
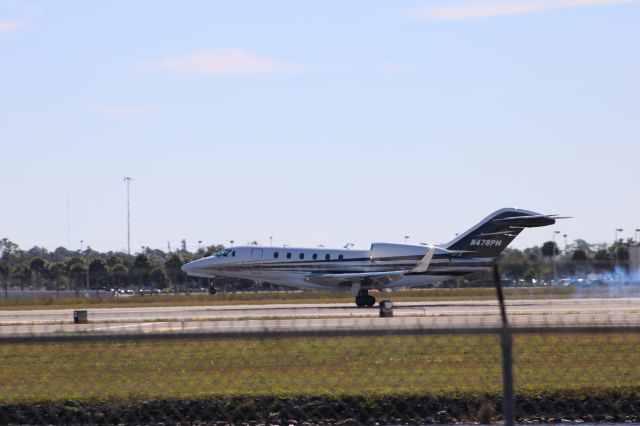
548 360
364 376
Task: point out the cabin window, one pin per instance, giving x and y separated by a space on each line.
315 256
340 257
327 257
301 255
288 255
275 255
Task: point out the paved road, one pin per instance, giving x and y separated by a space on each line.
323 317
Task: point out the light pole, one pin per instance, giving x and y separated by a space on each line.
565 243
617 230
88 264
270 241
128 182
406 238
553 257
615 250
81 245
636 234
199 242
554 241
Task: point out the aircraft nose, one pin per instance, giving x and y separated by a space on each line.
196 264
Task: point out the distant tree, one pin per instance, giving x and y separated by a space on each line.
8 252
37 252
39 268
57 274
579 255
23 274
580 244
533 253
120 275
621 253
98 273
173 266
602 260
579 261
514 263
141 269
159 278
4 275
114 260
550 249
78 275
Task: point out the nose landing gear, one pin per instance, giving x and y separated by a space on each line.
364 299
212 287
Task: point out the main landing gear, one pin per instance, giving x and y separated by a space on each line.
364 299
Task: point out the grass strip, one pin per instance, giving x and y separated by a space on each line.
439 365
257 298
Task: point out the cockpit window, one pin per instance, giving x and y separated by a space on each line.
225 253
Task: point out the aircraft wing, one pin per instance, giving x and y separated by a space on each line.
379 278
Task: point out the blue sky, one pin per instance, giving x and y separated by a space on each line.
316 122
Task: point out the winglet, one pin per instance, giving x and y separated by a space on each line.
425 261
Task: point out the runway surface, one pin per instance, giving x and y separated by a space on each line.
323 317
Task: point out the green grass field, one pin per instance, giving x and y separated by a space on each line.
445 365
301 297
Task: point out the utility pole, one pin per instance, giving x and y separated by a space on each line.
553 257
615 249
68 224
128 181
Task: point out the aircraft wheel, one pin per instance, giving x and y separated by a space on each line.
370 301
360 301
212 290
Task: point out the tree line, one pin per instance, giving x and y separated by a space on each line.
580 258
156 269
88 269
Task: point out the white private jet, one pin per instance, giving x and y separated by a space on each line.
384 265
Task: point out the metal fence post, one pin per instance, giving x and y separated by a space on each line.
506 344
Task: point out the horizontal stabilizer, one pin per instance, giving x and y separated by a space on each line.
531 218
488 234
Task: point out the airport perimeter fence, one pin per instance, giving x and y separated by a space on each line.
392 375
539 364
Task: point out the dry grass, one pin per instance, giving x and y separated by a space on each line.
296 297
398 365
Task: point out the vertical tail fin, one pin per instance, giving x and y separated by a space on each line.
495 232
